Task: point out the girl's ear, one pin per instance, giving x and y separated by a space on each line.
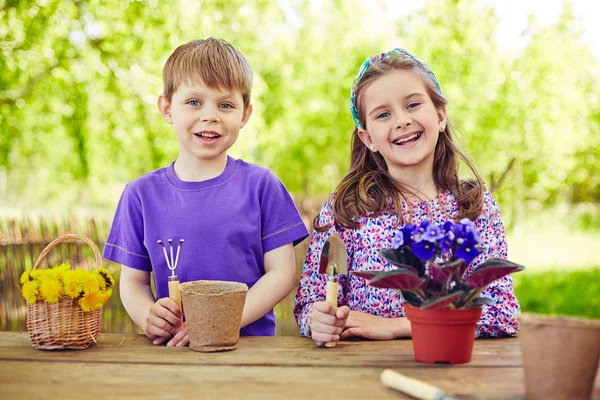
442 117
366 139
247 115
165 109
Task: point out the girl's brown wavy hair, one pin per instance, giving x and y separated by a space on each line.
367 187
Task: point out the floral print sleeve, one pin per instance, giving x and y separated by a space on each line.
312 286
500 317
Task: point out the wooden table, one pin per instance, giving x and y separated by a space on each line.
130 367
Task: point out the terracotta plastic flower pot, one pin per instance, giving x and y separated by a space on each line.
443 335
560 356
213 313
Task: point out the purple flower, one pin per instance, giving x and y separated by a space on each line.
407 232
433 233
472 236
422 228
404 237
447 226
467 251
447 242
465 232
458 231
419 231
467 222
424 249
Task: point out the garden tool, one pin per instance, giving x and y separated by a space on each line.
174 292
412 387
333 255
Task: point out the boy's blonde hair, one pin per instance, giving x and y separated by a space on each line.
212 61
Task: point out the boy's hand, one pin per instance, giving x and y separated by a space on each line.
327 322
163 321
181 339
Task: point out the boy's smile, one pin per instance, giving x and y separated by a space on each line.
207 122
207 137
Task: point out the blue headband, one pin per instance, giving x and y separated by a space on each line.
379 58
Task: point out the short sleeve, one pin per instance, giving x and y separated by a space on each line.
280 220
125 242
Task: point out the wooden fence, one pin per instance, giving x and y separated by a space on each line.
23 238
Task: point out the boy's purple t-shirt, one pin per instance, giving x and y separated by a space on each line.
228 224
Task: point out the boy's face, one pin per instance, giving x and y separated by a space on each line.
206 121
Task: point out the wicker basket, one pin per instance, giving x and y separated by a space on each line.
63 325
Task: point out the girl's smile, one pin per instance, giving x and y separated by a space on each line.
408 140
402 123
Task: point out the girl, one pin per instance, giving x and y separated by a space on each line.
403 169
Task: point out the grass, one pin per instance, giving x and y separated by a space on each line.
560 292
557 248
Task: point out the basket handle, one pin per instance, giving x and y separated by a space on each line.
65 238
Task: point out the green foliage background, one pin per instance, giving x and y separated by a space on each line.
79 81
559 292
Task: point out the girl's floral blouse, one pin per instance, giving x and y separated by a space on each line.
373 234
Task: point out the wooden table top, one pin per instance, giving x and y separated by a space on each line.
130 367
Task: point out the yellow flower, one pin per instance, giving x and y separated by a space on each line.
72 281
48 273
26 276
101 281
110 282
63 267
89 282
29 290
106 295
50 289
91 301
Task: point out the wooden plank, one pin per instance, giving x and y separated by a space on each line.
258 351
53 380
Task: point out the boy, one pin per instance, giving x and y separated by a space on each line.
237 219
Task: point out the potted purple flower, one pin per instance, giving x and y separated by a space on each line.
442 304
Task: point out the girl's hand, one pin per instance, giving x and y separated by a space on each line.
377 328
163 321
327 322
181 339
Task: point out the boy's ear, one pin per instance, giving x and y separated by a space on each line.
165 109
366 139
247 115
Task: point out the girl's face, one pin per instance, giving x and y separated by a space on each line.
402 123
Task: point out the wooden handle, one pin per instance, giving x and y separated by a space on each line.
331 298
66 238
410 386
175 293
